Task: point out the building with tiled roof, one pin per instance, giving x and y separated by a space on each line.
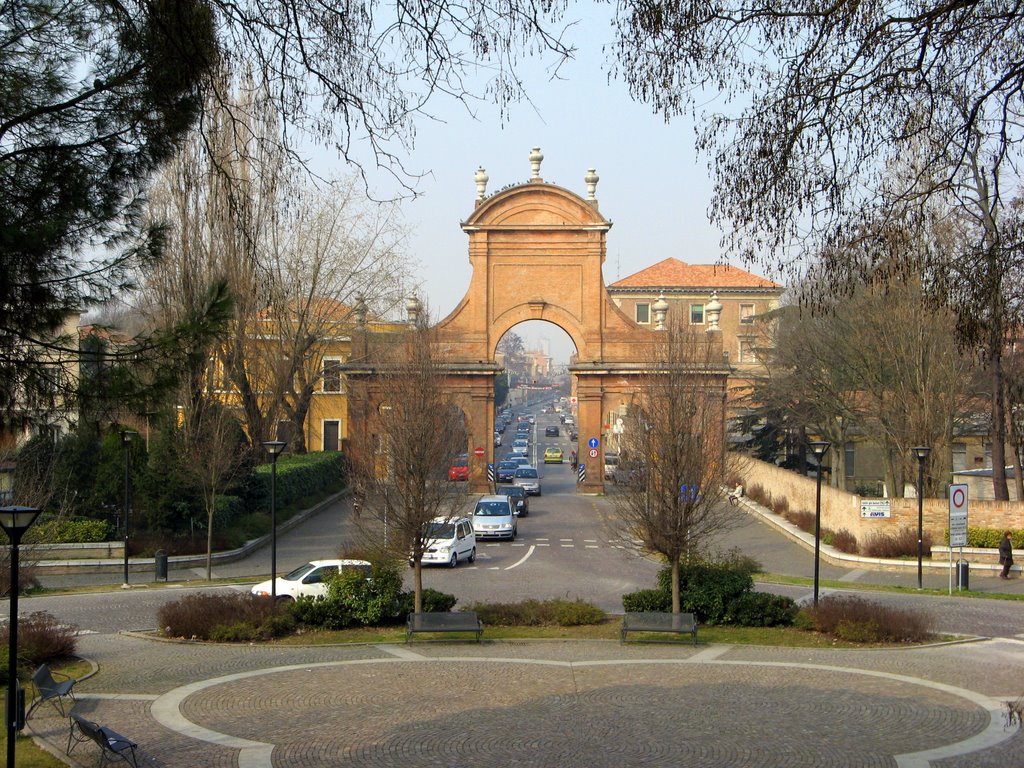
689 288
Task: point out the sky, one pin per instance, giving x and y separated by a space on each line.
653 186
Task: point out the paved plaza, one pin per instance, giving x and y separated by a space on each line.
549 703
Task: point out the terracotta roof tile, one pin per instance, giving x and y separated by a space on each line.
673 273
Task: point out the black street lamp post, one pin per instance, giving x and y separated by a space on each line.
274 448
921 452
126 441
14 521
819 448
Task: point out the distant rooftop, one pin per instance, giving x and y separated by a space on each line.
673 273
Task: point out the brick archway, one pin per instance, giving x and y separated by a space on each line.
537 252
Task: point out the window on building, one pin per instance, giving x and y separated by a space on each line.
746 351
332 374
643 313
959 457
849 458
697 314
332 435
746 313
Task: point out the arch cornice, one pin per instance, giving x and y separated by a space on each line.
536 205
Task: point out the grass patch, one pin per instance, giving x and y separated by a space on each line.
846 586
28 755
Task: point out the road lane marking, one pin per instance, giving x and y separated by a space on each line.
523 559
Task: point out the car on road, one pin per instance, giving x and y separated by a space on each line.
611 461
459 468
520 446
528 478
520 499
551 431
570 421
494 518
497 438
574 436
505 472
309 580
446 541
553 456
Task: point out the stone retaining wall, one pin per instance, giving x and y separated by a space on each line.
841 510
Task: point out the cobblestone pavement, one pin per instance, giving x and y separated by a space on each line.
549 703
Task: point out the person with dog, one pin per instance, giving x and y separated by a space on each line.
1006 554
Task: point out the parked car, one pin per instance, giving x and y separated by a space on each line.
505 472
553 456
520 499
520 446
521 461
528 478
611 461
574 436
494 517
308 580
570 421
459 469
446 541
497 438
551 431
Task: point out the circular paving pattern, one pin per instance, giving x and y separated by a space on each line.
482 713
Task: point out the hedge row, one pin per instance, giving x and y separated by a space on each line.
990 537
298 476
72 531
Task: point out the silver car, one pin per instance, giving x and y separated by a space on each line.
494 517
528 478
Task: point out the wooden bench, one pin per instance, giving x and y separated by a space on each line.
462 621
657 621
113 746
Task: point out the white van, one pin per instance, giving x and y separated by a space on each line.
447 541
611 463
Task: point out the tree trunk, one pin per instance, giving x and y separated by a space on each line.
1000 491
417 600
675 586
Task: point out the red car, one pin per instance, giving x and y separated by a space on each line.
459 469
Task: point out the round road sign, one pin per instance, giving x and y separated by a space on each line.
592 442
593 453
479 451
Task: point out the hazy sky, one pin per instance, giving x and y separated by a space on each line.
652 185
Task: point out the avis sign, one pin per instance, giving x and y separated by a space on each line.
958 516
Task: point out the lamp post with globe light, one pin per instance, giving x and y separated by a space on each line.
274 448
819 448
921 452
14 521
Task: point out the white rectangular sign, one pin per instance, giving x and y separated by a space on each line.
875 508
958 516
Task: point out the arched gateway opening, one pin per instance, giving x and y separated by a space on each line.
537 251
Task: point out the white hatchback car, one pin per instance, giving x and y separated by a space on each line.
309 580
446 541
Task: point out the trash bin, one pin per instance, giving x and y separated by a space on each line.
963 574
161 564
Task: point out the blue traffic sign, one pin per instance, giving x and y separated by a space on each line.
593 442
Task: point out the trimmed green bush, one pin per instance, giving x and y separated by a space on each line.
990 537
72 531
433 601
706 589
323 613
761 609
369 600
298 476
647 600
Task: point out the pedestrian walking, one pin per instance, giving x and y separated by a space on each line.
572 460
1006 554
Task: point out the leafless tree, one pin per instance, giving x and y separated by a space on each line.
408 429
843 124
293 255
673 440
212 452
